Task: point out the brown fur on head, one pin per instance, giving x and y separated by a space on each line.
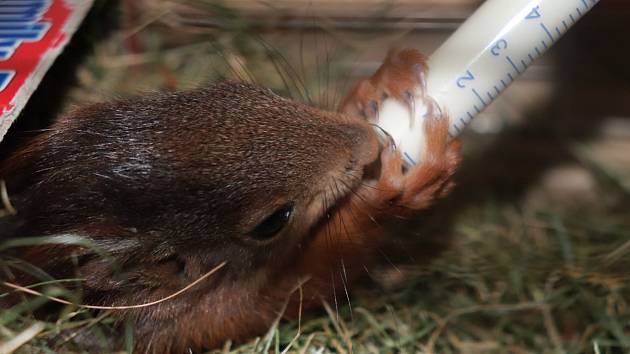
173 184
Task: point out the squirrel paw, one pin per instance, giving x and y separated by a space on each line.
416 187
402 73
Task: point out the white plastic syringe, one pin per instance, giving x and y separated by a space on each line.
473 67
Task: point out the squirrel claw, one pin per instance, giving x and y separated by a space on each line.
403 76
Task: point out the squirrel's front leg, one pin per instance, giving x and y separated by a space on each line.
399 190
346 244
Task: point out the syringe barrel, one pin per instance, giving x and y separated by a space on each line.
492 48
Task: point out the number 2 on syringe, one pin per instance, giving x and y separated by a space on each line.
461 81
498 46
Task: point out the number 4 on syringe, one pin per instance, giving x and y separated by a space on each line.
496 49
534 14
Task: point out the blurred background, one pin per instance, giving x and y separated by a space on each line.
530 253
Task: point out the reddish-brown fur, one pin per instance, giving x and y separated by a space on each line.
170 187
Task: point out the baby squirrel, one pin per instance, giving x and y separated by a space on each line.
171 185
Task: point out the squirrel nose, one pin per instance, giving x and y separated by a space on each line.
364 142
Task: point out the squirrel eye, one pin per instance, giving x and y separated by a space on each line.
274 223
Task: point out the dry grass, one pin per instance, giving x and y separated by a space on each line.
540 222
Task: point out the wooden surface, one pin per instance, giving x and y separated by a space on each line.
364 14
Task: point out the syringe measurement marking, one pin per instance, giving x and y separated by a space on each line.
512 63
548 33
532 57
479 97
413 163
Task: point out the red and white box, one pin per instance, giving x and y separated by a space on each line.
32 35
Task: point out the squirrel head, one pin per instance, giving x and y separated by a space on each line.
173 184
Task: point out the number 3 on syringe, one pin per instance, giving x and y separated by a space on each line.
499 46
